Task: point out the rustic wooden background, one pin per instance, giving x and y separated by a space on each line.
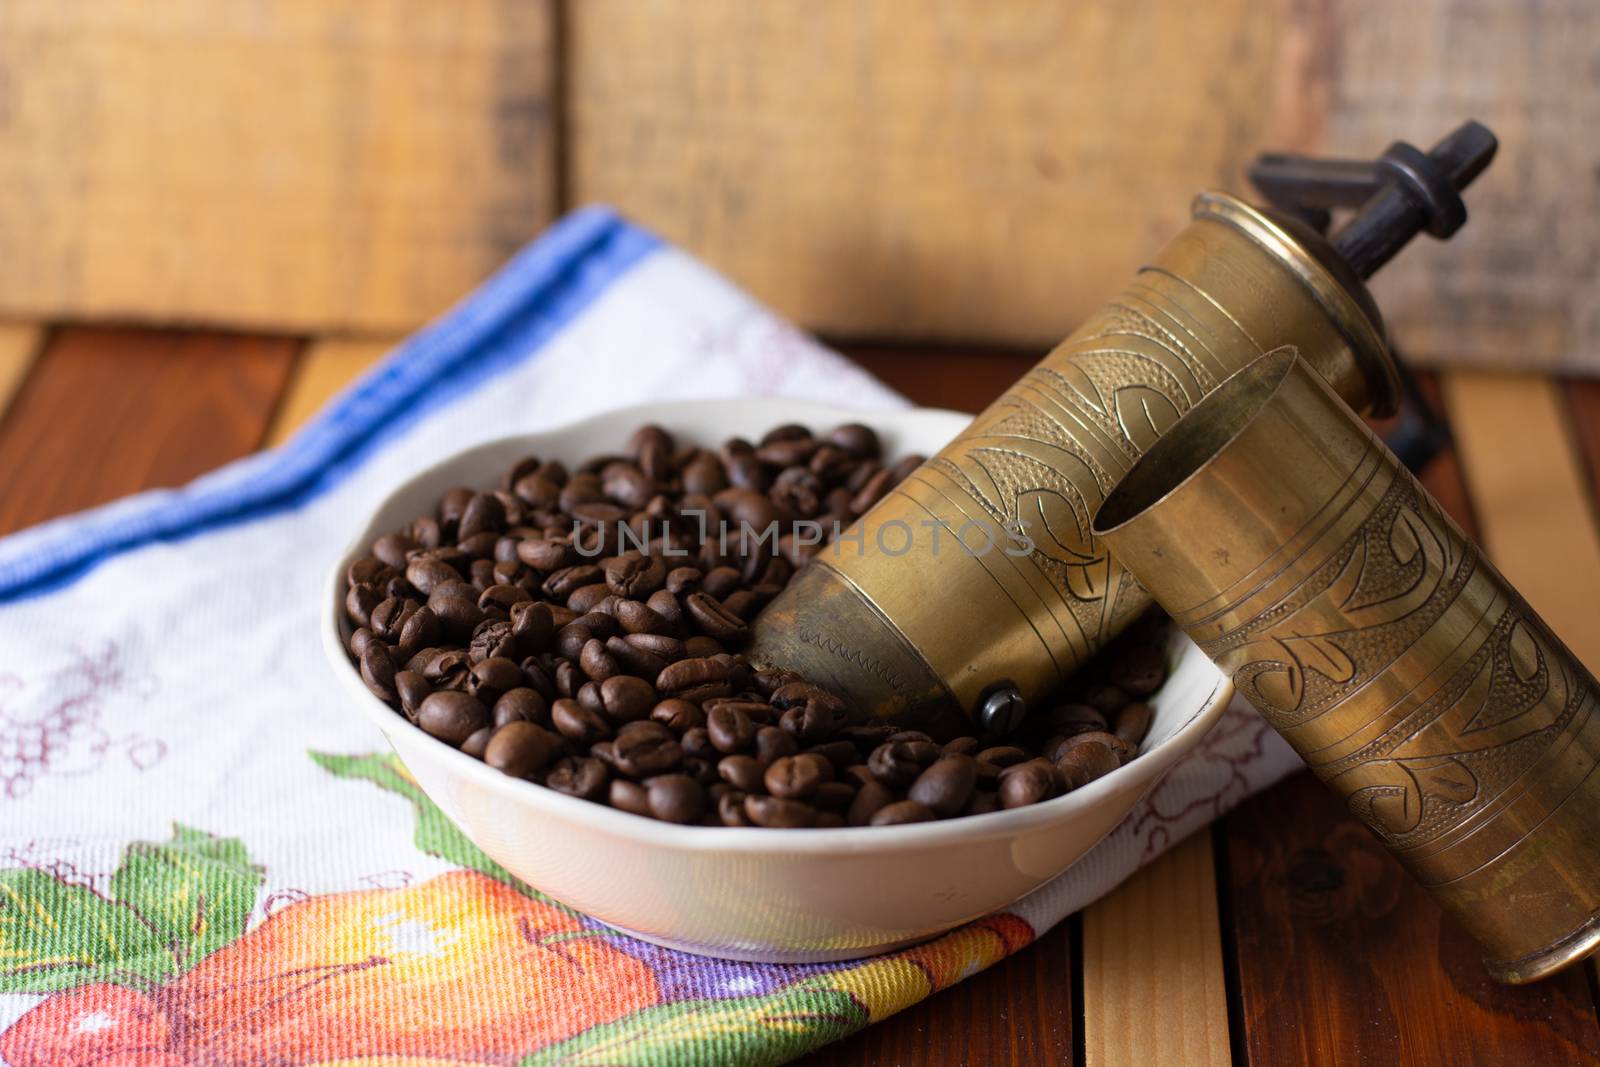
309 179
949 170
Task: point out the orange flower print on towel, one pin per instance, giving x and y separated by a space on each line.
466 969
444 967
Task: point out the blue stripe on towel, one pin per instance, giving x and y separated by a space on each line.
508 319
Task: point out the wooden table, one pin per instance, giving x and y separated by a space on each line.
1283 936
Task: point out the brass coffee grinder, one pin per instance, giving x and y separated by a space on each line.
938 634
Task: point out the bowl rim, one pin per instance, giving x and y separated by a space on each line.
654 833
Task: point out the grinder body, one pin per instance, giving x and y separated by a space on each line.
979 571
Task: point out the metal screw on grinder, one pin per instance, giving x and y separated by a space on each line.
1002 711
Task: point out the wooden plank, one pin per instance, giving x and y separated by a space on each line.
1583 401
19 347
1153 984
992 171
288 164
1343 959
324 368
961 379
1339 957
971 170
1018 1012
1516 286
107 412
1533 497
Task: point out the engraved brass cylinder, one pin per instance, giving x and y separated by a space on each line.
921 610
1303 558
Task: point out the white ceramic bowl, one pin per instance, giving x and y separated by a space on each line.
752 894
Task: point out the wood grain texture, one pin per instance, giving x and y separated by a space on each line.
1339 957
960 379
1532 492
1154 991
1516 287
993 171
1583 401
1343 959
322 370
1017 1013
968 169
292 164
109 412
19 347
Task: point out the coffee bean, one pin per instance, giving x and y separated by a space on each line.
692 673
532 627
497 600
598 663
697 744
578 724
588 597
902 812
1071 719
626 698
1133 723
640 753
809 724
359 602
1138 670
869 799
833 796
1028 783
579 776
378 671
677 715
420 630
447 670
458 616
778 812
1122 749
547 554
521 704
713 618
1082 763
677 798
412 689
492 677
730 729
773 743
742 772
894 764
982 803
792 778
667 649
1001 756
451 716
476 745
520 748
630 797
839 754
946 785
730 809
684 580
857 440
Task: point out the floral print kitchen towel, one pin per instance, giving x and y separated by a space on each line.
205 860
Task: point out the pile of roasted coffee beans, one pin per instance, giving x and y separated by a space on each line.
580 629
